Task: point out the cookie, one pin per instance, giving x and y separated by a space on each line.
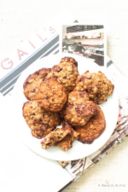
78 114
93 129
97 86
53 94
66 72
38 119
32 84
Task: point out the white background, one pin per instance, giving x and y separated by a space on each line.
18 18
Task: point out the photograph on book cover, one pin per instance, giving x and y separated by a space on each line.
85 40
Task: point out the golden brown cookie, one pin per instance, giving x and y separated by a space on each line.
93 129
66 143
97 86
78 114
38 119
32 84
66 72
55 136
53 94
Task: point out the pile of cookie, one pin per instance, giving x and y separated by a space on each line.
63 106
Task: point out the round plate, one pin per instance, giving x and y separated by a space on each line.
78 150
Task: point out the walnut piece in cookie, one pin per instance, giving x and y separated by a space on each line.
79 114
32 84
97 86
66 72
54 95
38 119
93 129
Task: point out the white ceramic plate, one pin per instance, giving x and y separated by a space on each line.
79 150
